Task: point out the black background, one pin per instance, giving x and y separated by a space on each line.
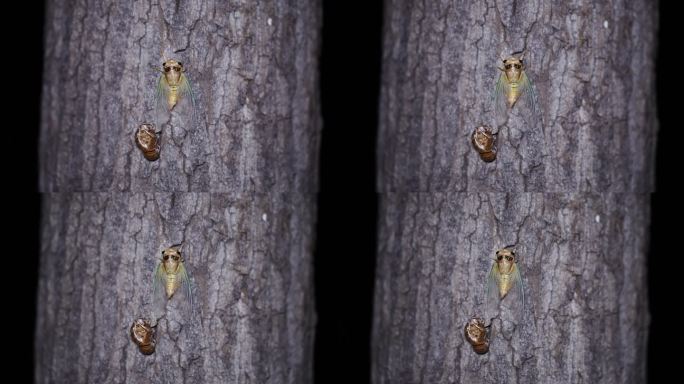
347 205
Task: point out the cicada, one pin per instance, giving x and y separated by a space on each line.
148 141
174 90
484 142
144 336
171 280
512 84
504 280
477 334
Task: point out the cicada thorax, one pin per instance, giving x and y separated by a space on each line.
144 336
484 142
148 141
477 335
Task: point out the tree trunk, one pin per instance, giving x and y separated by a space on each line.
574 203
253 71
249 258
582 265
593 67
238 190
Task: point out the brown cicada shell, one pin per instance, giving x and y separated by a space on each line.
143 335
148 141
484 142
477 334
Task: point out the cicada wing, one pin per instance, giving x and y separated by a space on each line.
162 109
528 104
187 101
158 293
528 93
512 305
499 103
183 296
519 287
492 298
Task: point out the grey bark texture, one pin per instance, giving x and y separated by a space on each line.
574 201
592 64
237 189
248 258
583 268
253 70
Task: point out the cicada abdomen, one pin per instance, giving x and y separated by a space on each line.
171 280
505 289
477 334
174 93
149 141
144 336
484 142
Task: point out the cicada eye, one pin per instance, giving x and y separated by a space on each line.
175 257
166 69
180 65
499 257
508 66
509 258
166 257
518 66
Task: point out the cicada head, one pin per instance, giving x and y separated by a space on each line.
505 260
513 68
476 334
173 70
143 336
148 141
172 259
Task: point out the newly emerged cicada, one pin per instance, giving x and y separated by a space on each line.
144 336
503 278
512 84
171 280
174 92
173 83
149 141
484 142
477 334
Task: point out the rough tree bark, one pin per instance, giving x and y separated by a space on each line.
593 66
248 257
582 263
577 212
252 67
238 190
